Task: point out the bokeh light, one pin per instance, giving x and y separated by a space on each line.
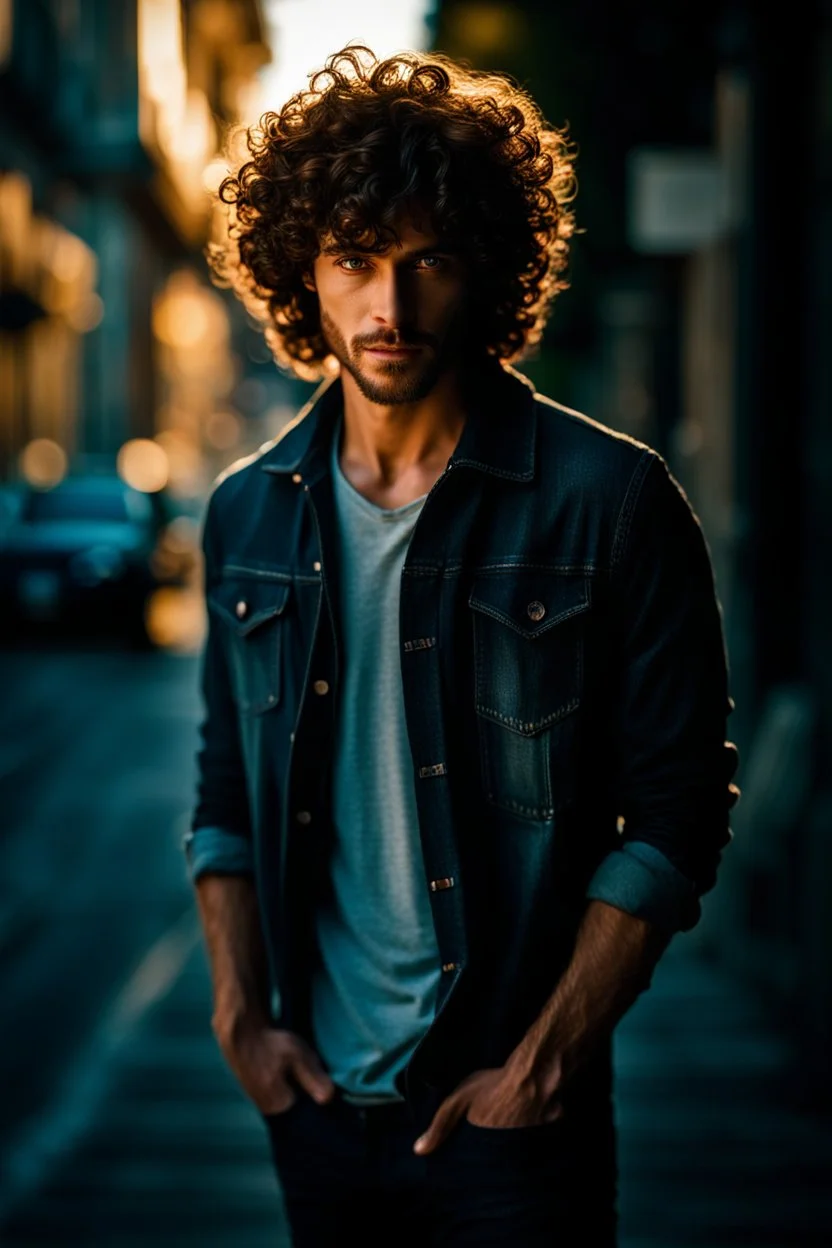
143 464
180 318
175 619
213 173
87 315
43 463
223 429
185 467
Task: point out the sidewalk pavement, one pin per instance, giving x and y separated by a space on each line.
711 1151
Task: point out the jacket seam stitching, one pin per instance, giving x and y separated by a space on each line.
623 526
454 569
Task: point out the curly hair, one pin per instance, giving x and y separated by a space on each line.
371 138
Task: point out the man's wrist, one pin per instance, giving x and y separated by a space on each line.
541 1072
234 1017
549 1052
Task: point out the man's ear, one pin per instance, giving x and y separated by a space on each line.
309 280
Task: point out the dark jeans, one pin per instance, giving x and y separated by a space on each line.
350 1175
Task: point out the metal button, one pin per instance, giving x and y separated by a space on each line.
419 643
535 611
304 817
449 966
321 687
297 478
433 769
316 566
438 886
241 608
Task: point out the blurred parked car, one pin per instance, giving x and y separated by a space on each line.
91 550
9 507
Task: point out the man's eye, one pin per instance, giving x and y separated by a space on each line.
351 263
431 263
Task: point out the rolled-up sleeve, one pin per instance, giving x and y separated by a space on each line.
215 849
639 878
219 837
672 766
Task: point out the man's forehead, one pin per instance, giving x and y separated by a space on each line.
409 238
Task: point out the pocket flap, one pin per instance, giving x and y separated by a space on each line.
245 605
530 602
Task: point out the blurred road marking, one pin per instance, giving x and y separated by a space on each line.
48 1137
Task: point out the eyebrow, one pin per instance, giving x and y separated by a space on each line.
439 248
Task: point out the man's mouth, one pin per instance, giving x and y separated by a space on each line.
393 353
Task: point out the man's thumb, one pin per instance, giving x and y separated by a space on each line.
312 1077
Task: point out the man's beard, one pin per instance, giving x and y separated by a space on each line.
402 381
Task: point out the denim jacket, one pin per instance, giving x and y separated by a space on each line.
565 687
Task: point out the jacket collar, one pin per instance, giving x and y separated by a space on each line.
498 436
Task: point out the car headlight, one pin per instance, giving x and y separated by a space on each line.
97 564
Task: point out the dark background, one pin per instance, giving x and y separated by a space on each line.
699 320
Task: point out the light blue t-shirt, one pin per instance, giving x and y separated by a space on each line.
373 997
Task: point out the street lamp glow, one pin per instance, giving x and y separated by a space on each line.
43 463
143 464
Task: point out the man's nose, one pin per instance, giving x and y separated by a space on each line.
390 299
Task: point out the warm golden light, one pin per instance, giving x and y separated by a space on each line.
176 555
175 619
192 138
86 315
185 470
70 257
213 174
486 28
181 322
53 266
6 30
143 464
43 463
175 118
223 430
15 222
161 60
180 315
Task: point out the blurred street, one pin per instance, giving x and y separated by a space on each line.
95 765
121 1125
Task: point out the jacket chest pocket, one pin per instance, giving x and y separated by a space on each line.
252 614
528 652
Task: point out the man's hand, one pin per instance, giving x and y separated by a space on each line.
614 957
493 1098
271 1064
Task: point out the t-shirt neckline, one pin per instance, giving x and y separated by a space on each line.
356 497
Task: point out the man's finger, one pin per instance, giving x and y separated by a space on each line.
285 1102
444 1120
312 1077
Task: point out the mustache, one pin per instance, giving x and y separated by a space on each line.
394 341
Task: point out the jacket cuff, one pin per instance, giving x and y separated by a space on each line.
217 849
640 880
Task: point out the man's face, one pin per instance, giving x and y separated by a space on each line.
395 320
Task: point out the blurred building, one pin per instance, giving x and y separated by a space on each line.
700 320
112 116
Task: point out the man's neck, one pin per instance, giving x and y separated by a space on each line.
394 454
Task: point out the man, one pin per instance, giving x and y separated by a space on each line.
463 770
